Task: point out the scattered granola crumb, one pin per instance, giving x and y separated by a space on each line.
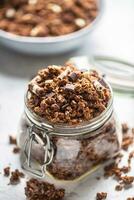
131 155
127 141
125 169
6 171
15 177
127 180
128 137
37 190
112 169
12 140
118 187
101 195
124 181
125 128
98 177
16 150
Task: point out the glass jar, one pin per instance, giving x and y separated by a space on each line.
68 153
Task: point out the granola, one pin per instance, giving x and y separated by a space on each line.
101 195
37 190
64 94
6 171
15 177
113 169
39 18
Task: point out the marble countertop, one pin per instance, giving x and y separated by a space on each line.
113 36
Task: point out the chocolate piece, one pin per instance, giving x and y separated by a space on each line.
74 76
12 140
69 88
16 150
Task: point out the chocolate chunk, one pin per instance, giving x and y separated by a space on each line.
69 87
16 150
12 140
74 76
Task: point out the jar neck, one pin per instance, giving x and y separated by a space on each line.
74 130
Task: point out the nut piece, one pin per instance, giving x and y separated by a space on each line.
54 7
38 31
10 13
32 2
80 22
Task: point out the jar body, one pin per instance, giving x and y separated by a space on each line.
74 157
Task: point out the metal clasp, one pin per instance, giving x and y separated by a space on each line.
47 145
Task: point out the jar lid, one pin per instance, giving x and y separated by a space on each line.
119 73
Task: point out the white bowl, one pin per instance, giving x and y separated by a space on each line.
49 45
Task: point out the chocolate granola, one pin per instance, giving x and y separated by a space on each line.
15 177
39 18
64 94
37 190
6 171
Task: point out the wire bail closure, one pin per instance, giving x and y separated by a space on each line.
47 145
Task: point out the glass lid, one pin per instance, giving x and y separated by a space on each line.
119 73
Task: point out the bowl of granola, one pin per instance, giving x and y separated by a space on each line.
47 27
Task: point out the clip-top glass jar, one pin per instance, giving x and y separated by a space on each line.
68 153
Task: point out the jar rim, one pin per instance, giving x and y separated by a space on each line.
71 130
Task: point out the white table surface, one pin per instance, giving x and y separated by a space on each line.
113 36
